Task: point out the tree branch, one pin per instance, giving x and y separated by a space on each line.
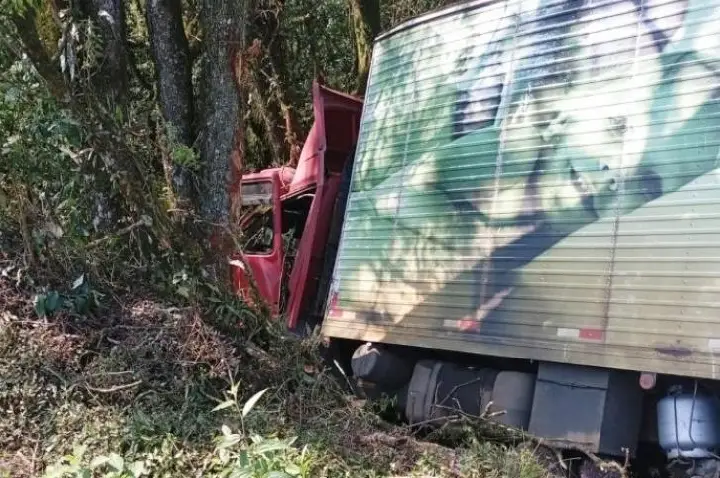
220 139
32 45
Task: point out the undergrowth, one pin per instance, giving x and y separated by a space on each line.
141 386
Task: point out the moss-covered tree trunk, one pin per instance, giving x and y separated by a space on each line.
26 28
220 107
365 15
112 78
171 56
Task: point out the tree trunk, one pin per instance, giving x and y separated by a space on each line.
35 50
171 54
220 141
365 16
112 78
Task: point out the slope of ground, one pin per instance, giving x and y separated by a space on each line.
142 388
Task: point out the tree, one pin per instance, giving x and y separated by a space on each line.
111 78
171 56
24 22
242 85
220 106
365 15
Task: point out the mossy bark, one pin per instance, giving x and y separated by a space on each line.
26 26
219 105
171 56
365 15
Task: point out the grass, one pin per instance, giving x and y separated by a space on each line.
140 387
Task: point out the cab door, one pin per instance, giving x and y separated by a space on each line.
261 256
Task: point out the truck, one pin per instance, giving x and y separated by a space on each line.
520 219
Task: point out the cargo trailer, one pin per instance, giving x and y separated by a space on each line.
529 222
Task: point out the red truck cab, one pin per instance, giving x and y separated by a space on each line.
288 214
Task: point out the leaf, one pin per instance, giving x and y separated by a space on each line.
98 461
116 461
78 282
80 304
39 304
229 440
55 471
12 140
119 116
292 469
52 302
278 474
234 389
252 401
183 291
224 405
137 469
241 474
79 451
271 445
67 151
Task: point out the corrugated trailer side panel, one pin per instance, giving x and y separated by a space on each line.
540 180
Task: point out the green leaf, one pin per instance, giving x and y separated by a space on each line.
55 471
80 304
52 302
224 405
12 140
98 461
243 458
183 291
116 461
278 474
234 389
119 116
241 473
272 445
252 401
228 441
184 156
78 451
137 469
292 469
39 304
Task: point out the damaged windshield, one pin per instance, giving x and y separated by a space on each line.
257 218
